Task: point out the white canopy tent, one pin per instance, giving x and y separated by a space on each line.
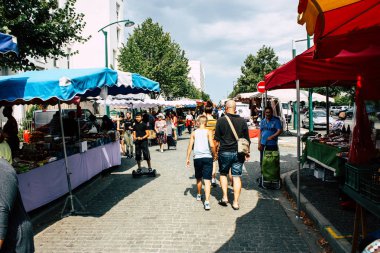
146 103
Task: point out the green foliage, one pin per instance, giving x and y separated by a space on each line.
29 113
151 52
344 99
42 30
254 69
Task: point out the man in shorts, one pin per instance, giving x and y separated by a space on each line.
228 156
204 151
140 136
211 123
128 137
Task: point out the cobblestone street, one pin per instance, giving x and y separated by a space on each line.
161 214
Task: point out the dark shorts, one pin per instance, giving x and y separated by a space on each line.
141 147
231 160
203 168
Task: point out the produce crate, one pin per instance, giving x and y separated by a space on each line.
369 186
352 175
365 179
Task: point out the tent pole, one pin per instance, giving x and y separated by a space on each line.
298 151
71 197
327 110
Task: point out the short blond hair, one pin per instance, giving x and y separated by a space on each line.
202 120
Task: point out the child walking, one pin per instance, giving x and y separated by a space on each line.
204 151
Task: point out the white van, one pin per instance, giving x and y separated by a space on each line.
286 111
243 110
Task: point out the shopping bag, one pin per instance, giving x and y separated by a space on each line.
271 165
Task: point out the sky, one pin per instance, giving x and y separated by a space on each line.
221 34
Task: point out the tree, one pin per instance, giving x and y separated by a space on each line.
42 30
151 52
254 69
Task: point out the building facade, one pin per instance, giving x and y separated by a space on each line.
197 75
98 14
91 54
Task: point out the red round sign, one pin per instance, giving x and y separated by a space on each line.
261 87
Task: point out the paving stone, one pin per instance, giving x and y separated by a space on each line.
161 214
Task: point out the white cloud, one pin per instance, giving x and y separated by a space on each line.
222 33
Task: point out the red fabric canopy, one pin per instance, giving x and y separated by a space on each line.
354 28
345 67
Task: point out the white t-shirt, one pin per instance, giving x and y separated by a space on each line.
189 117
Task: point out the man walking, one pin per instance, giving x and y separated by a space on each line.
128 137
140 136
228 155
204 151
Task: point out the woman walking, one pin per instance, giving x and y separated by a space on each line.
160 128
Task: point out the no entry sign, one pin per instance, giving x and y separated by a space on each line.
261 87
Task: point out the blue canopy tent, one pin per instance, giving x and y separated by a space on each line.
47 86
65 84
7 45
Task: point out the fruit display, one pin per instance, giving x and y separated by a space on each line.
44 149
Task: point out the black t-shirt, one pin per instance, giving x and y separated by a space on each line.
127 123
225 136
140 129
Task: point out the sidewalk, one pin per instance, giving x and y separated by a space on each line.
320 200
161 214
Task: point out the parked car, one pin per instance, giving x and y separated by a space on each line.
319 119
350 113
335 109
319 108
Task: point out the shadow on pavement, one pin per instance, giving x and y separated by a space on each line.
98 195
266 228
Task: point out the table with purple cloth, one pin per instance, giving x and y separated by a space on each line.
49 182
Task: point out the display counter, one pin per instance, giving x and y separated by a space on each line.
325 155
44 184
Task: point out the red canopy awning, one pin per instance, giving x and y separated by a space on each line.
321 72
353 27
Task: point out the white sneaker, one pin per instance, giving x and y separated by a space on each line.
199 197
162 151
207 205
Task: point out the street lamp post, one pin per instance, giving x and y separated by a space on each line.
127 23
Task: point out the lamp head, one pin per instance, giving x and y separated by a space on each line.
129 23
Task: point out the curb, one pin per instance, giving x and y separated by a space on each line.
337 244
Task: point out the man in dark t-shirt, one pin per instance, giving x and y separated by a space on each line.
140 136
228 157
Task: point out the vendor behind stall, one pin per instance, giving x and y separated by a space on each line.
54 125
70 125
107 124
91 126
10 130
5 150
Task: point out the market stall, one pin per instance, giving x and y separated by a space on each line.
64 159
345 54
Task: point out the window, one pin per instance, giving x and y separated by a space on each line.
117 11
118 36
114 59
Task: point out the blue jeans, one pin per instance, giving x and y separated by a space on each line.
231 160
